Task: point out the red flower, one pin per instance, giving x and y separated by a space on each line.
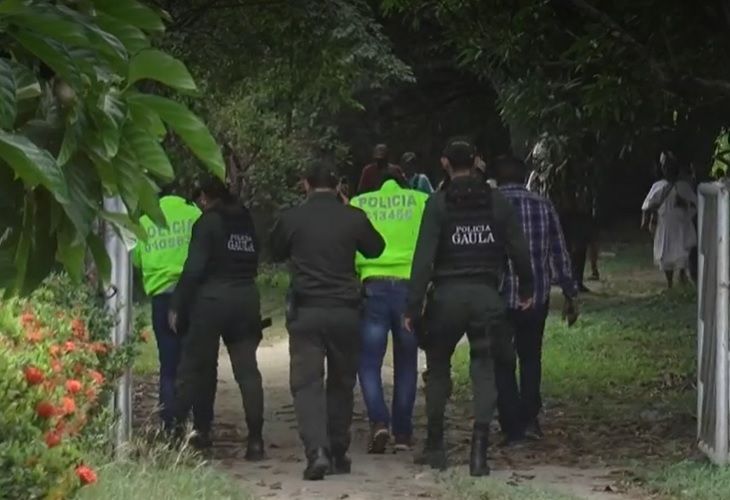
34 376
86 474
68 406
69 347
52 439
45 409
27 319
56 366
96 376
34 337
98 348
74 386
79 329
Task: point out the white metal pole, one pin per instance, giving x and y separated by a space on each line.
723 275
701 247
119 302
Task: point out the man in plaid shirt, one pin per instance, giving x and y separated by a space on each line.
519 407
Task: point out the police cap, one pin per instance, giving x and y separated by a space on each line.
460 152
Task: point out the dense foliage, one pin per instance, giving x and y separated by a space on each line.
57 370
75 127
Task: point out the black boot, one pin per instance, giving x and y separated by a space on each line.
201 440
255 442
434 453
478 460
340 463
318 465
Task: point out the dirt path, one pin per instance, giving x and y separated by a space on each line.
374 477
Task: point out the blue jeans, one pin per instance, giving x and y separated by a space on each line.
384 305
169 347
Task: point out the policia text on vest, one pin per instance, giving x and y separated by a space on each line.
397 206
175 236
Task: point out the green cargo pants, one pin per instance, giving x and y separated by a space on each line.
324 412
454 310
233 314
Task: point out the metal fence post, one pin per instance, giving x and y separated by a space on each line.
119 303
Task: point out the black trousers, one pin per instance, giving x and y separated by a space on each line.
452 312
519 405
578 232
235 317
319 336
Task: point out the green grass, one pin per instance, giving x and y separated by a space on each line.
691 480
159 474
272 282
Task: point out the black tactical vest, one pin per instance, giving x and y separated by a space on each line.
470 238
237 255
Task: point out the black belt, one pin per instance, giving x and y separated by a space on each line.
384 278
464 279
326 302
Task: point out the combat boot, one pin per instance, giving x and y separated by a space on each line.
478 466
201 440
318 465
434 453
340 463
255 442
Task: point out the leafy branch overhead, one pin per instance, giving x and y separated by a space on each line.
75 128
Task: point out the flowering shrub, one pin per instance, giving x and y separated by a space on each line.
57 369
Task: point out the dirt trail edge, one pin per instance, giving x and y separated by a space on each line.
373 477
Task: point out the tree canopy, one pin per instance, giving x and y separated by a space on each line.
94 97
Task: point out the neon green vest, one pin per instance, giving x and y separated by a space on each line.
396 213
163 255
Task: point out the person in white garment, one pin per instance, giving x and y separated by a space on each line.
673 202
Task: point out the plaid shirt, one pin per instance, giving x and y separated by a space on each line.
548 251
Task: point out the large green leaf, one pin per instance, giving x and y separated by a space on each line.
109 116
43 245
149 201
26 84
132 37
147 119
7 95
101 41
53 54
148 151
101 258
123 221
33 165
70 251
129 175
49 22
189 127
85 192
23 249
132 12
156 65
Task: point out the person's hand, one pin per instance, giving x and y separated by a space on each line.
172 320
524 305
570 311
407 323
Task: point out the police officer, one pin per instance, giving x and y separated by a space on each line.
161 260
395 211
218 289
466 234
320 238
